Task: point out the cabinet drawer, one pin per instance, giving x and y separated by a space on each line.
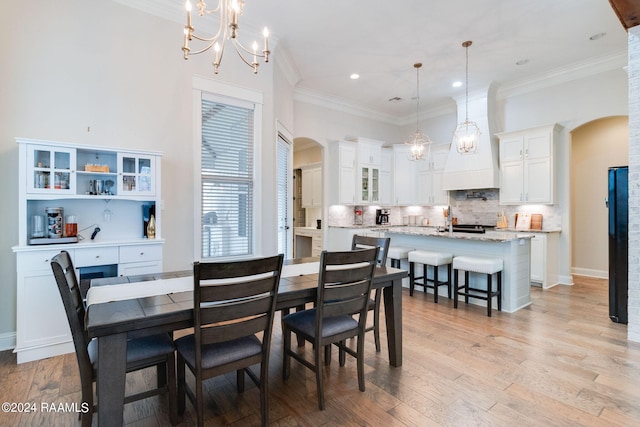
37 260
87 257
138 253
303 232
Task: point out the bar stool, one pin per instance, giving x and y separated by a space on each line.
488 266
397 254
435 260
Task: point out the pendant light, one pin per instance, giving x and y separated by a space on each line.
467 135
418 140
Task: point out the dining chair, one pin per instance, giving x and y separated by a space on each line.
156 350
383 243
232 302
344 285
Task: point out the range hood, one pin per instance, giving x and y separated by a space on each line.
480 169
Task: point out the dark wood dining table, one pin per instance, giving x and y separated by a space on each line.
112 323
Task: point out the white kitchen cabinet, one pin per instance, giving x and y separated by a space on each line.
386 167
342 175
404 176
307 242
311 186
544 259
136 174
527 166
120 248
369 161
429 178
50 170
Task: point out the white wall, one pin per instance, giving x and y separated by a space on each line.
570 104
100 73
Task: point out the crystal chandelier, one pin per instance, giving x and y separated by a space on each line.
467 134
229 11
418 140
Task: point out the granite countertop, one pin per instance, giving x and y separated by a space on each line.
489 236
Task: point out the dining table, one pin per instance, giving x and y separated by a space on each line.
124 307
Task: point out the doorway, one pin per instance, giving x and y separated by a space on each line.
595 146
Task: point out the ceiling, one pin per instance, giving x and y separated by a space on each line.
324 42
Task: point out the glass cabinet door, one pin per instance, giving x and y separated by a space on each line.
375 185
365 184
51 170
136 174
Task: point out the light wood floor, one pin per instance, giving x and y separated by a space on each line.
559 362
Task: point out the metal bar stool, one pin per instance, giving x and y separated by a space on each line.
488 266
435 260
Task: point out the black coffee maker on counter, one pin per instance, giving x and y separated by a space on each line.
382 216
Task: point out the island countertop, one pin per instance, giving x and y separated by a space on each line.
488 236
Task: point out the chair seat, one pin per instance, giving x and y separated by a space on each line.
430 257
138 349
305 322
399 252
478 264
219 354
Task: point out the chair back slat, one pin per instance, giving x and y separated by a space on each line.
241 306
234 310
362 242
214 292
227 332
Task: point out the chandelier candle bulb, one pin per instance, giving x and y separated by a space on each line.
266 52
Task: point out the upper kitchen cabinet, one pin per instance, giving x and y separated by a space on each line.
136 174
386 167
50 170
527 166
429 177
404 172
312 186
342 172
369 160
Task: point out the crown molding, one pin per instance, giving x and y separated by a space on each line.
285 64
579 70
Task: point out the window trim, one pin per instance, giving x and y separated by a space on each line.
234 95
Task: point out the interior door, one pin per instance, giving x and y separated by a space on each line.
285 198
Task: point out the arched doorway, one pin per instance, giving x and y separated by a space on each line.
595 146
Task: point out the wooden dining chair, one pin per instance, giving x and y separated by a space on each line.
344 285
383 243
232 302
156 350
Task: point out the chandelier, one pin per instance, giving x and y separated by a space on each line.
229 12
417 140
467 134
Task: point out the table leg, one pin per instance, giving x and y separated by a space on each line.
393 318
112 365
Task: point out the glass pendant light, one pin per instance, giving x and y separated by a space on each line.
420 144
467 135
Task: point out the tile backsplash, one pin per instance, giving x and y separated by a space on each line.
470 207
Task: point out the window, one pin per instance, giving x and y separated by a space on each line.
227 176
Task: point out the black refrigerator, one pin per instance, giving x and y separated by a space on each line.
618 203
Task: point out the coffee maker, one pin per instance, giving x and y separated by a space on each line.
382 216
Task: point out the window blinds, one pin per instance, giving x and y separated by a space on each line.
226 179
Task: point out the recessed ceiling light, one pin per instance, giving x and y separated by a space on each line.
355 76
522 62
597 36
456 84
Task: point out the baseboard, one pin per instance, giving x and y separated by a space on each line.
7 341
589 272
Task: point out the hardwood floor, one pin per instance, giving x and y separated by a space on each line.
559 362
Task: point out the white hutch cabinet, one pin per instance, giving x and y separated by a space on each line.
62 175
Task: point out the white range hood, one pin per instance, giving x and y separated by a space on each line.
480 169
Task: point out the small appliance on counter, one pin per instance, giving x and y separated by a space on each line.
382 216
54 224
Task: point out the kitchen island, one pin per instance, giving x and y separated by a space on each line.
514 248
